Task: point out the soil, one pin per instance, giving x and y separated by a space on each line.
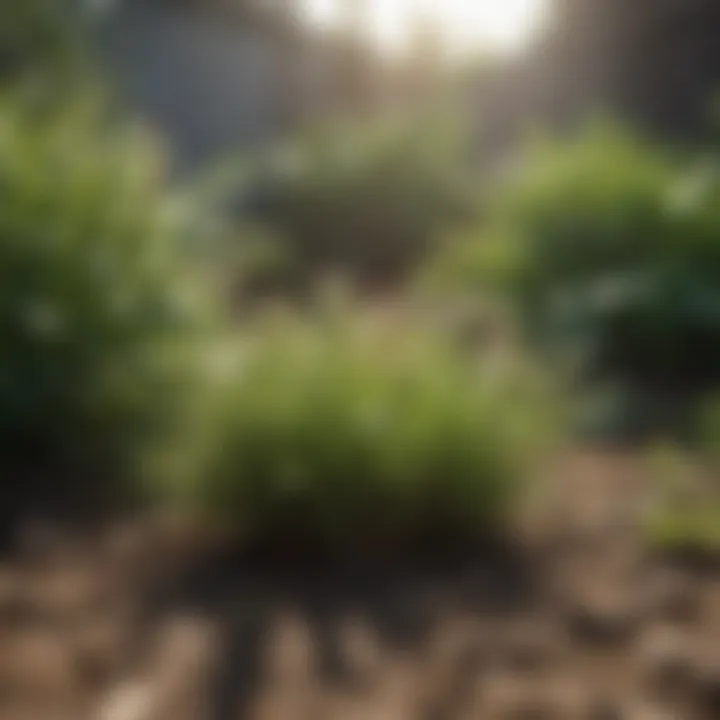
576 618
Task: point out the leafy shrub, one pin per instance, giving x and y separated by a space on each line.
344 434
609 252
39 36
365 204
98 298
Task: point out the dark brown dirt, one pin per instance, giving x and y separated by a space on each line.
578 620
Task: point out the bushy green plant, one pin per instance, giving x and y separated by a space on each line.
609 252
366 203
352 434
99 299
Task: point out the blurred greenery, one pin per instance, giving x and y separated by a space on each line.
119 373
348 434
366 203
607 250
686 517
328 425
100 296
42 39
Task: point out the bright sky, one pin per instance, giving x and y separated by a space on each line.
500 26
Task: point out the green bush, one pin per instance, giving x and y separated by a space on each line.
346 434
609 252
99 300
366 204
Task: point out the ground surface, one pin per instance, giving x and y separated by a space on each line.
578 620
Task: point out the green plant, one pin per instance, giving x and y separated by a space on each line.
607 250
347 434
40 36
365 203
100 300
686 515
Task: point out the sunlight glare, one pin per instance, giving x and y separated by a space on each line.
500 26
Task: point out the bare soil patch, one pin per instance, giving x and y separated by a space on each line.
575 619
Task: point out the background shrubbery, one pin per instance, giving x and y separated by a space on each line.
608 251
365 203
42 40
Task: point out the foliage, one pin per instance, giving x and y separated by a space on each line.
39 36
365 203
608 252
347 433
99 299
687 514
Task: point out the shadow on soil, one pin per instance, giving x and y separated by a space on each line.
400 603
